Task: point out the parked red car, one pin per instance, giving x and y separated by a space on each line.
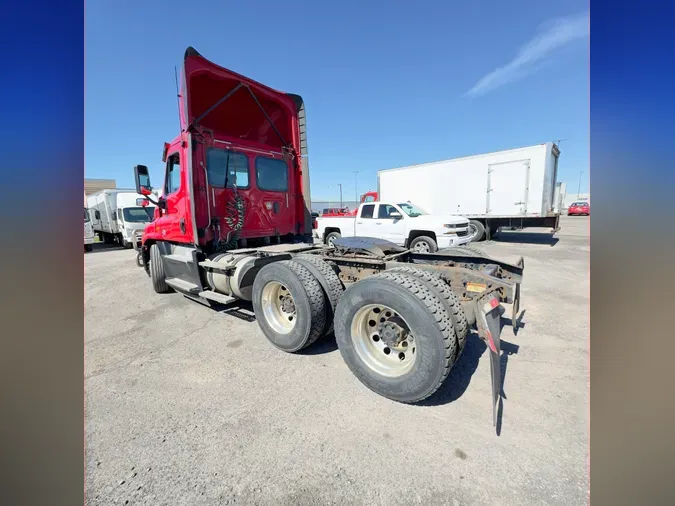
335 211
579 208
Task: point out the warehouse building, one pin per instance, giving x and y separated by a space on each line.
95 185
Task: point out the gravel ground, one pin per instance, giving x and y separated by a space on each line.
187 405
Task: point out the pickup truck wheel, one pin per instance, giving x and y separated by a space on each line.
423 244
443 291
289 305
157 274
330 238
476 230
126 244
396 336
330 282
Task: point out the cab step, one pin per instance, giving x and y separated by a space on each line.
182 285
217 297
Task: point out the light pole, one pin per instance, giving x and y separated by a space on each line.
356 186
579 187
340 195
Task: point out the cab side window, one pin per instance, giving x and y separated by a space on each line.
367 211
172 174
385 210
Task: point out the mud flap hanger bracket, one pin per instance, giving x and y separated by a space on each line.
488 314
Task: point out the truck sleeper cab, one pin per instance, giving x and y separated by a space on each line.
235 225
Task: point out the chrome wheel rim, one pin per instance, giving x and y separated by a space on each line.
278 307
383 341
331 240
473 231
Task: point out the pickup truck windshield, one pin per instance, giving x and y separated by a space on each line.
412 210
138 214
86 215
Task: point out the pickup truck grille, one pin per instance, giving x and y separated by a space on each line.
462 233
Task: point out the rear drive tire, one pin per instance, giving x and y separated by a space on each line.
330 238
289 305
443 291
330 282
407 376
476 230
157 274
423 244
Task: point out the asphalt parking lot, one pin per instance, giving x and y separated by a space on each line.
187 405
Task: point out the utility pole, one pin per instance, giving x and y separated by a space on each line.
579 187
340 195
356 186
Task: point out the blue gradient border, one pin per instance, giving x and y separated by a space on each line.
632 252
41 255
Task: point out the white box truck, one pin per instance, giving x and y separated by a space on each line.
117 214
88 232
512 189
88 229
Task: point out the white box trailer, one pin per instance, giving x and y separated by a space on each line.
514 189
117 214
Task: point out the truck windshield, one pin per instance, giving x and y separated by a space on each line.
86 215
138 214
412 210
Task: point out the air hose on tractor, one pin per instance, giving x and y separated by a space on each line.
234 216
235 221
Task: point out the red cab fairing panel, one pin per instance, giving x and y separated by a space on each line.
238 116
223 110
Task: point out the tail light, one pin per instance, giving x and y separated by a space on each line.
315 224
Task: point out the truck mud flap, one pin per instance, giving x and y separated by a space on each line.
488 314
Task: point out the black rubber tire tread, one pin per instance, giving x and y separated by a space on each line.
315 297
433 245
435 311
444 292
470 251
157 274
480 230
337 235
330 282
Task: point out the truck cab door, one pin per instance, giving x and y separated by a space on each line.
365 222
389 224
172 225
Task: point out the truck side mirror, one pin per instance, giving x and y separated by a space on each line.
142 177
395 215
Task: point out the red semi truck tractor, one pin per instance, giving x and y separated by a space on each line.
235 224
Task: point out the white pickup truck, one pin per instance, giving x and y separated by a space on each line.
404 224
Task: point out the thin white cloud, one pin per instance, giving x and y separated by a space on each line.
551 36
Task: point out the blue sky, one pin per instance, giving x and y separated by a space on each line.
386 84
